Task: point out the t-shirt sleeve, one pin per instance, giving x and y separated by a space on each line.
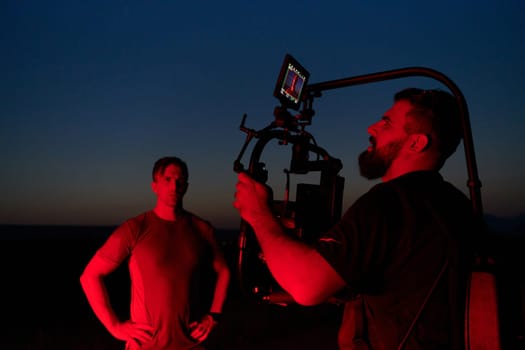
357 246
119 244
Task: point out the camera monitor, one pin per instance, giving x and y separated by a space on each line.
291 83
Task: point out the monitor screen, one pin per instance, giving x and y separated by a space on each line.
291 83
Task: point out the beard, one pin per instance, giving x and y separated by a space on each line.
374 164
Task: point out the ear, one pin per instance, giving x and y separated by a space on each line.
419 142
154 186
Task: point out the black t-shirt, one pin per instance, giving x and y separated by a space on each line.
389 248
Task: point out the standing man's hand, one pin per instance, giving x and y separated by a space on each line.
136 333
201 329
252 199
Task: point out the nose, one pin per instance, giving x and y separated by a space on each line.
372 129
173 184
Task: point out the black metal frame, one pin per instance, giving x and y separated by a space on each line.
289 129
474 184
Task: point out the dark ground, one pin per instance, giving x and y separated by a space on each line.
43 307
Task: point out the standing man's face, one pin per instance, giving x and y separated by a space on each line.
387 138
170 186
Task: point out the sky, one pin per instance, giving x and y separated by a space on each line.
93 92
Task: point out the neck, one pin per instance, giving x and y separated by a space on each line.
168 213
401 168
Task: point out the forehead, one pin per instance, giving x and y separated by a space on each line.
172 170
398 111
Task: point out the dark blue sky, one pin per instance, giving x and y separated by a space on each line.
94 92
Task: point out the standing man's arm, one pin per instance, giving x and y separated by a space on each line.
92 281
201 330
223 280
298 268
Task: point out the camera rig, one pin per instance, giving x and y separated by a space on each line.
316 207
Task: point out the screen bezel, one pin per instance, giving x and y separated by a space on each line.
289 69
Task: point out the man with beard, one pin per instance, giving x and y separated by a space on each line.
399 255
168 250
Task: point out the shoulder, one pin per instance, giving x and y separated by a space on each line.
199 223
416 185
133 227
202 227
382 195
379 205
137 222
123 239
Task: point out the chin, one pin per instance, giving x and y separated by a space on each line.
171 203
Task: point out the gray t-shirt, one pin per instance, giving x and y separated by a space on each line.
167 260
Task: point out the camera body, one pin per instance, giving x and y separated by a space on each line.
316 207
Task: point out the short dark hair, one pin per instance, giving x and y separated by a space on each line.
163 163
435 113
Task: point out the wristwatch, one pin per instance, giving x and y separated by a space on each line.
216 316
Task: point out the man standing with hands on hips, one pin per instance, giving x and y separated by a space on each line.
168 250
